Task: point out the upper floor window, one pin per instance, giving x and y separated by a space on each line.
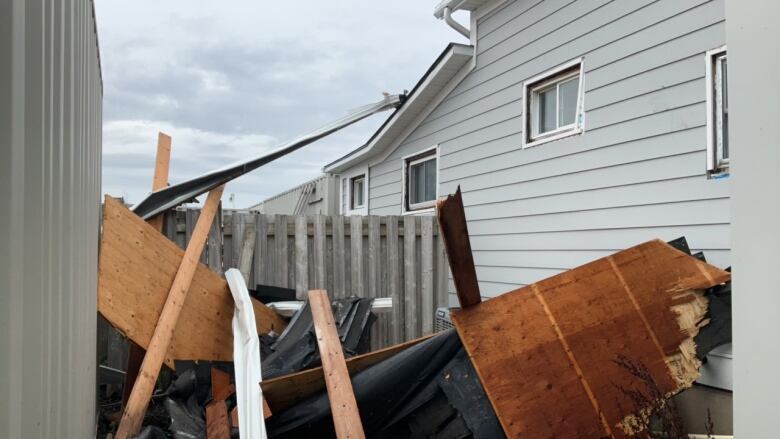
717 112
357 191
420 180
553 108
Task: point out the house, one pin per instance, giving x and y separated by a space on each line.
315 197
574 129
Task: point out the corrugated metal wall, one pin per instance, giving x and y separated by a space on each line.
50 132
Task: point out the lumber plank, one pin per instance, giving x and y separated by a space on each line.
549 354
137 267
285 391
454 229
134 411
162 164
343 407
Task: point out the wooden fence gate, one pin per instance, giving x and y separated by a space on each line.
400 257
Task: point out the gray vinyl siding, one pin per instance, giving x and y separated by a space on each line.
50 134
638 171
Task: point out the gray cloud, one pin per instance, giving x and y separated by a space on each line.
229 81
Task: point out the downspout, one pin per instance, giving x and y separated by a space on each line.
463 30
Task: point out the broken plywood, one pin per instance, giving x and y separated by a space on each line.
548 354
137 267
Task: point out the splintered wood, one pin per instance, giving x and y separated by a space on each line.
552 356
137 268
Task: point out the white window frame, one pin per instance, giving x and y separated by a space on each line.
716 165
530 88
352 180
411 159
346 183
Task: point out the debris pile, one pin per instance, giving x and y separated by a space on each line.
591 352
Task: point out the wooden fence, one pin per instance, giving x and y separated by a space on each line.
395 256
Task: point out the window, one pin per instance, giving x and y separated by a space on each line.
553 104
420 180
717 113
357 191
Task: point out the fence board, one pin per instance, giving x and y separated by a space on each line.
394 280
427 296
339 262
261 249
301 258
370 256
320 237
280 238
356 256
411 308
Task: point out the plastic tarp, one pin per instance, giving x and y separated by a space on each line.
246 360
429 390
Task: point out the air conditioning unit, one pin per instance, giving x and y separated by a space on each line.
442 322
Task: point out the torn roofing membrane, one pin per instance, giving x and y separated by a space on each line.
158 202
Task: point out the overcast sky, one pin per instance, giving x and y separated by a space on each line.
229 80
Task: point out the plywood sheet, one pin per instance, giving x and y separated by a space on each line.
137 267
547 354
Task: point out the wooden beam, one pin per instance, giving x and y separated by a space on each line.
135 355
132 418
567 356
285 391
137 268
343 407
161 169
454 229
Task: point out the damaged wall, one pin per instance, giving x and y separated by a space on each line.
50 132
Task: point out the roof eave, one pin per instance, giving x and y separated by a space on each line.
439 75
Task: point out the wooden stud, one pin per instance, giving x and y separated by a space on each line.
301 257
339 264
135 355
161 169
394 280
356 256
163 333
454 229
411 298
346 417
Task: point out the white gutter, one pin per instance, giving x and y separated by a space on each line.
454 24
